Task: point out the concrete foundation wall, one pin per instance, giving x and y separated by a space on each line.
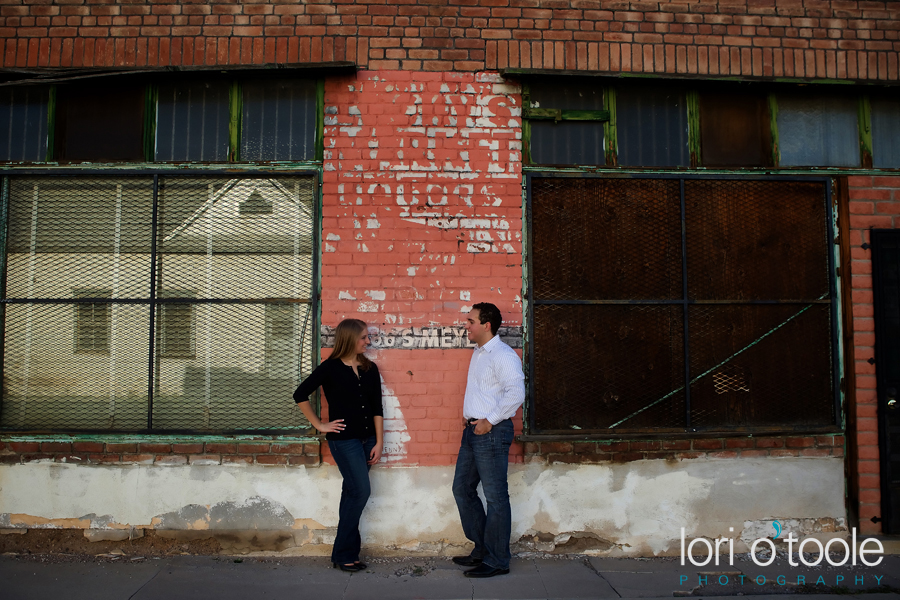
635 509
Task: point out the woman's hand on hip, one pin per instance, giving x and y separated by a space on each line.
374 455
335 426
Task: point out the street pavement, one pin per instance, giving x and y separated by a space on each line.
433 578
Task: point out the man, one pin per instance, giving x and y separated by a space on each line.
494 391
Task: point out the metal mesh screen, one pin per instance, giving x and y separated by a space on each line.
760 366
756 240
609 311
209 328
598 367
601 239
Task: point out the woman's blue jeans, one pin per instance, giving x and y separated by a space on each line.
485 458
351 457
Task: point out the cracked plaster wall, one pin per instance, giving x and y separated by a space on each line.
618 509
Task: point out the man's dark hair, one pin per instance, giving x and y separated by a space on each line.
488 313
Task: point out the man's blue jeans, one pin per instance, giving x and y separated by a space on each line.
351 457
485 458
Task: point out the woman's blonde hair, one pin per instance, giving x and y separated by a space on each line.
346 335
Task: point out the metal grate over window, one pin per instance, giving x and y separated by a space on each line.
151 303
680 305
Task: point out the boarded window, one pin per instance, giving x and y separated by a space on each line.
652 126
182 337
100 121
567 142
192 121
23 123
176 328
818 130
734 129
749 347
283 328
885 132
278 120
92 322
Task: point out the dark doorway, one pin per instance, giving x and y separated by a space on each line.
886 283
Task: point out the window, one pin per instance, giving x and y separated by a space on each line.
723 325
92 322
734 129
100 121
885 132
255 204
192 121
652 126
278 119
209 117
23 123
597 122
818 130
176 330
282 351
184 332
566 121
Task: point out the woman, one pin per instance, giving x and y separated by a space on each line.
355 432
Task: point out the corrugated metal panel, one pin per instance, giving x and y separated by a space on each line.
567 143
192 122
818 131
279 120
652 127
885 141
567 95
23 123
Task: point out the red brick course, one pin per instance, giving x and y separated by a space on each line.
306 453
585 452
837 40
874 202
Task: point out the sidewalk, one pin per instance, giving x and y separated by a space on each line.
436 578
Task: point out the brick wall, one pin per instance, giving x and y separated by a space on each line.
682 449
429 386
422 217
261 452
422 198
874 203
790 38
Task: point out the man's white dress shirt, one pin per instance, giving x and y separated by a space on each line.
495 388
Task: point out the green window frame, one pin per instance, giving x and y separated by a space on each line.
611 123
236 83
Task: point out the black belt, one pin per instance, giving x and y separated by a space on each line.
471 421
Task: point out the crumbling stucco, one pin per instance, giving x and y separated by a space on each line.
633 509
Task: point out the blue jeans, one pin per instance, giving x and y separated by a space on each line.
351 457
485 458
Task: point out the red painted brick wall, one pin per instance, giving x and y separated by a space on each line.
422 217
874 203
422 198
790 38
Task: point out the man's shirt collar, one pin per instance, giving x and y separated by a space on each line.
489 345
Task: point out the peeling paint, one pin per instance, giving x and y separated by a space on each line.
633 509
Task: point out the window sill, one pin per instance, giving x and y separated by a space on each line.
302 436
673 435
